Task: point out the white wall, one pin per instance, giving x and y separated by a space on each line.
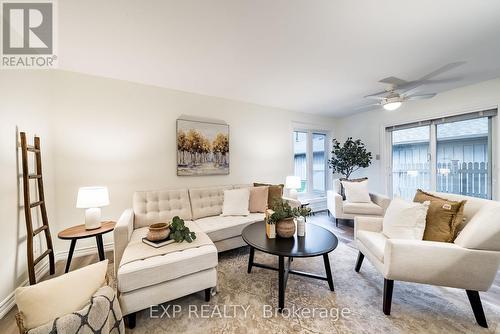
369 126
122 135
25 98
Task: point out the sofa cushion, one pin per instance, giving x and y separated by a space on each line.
158 269
405 220
443 217
258 199
47 300
160 206
356 192
374 241
274 194
236 202
220 227
207 201
362 208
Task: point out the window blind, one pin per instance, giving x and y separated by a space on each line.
449 119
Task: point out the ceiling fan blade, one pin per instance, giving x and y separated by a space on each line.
420 97
394 81
377 96
412 85
442 69
367 107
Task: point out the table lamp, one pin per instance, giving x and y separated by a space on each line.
292 183
92 199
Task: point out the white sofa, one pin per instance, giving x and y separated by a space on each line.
471 262
162 278
341 209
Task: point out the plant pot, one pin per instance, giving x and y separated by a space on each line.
158 231
285 228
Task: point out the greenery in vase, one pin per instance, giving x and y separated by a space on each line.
349 157
180 232
283 210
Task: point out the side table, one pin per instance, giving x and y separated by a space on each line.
79 232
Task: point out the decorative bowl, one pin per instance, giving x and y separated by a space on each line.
158 231
285 228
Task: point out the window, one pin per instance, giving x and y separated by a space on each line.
450 155
310 161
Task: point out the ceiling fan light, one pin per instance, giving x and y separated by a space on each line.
392 105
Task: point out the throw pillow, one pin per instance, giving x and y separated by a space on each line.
443 217
356 192
275 192
405 220
47 300
342 190
236 202
258 199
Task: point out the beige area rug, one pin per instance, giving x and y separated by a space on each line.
416 308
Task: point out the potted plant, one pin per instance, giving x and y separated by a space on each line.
349 157
283 218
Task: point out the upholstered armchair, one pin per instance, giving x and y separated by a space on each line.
341 209
471 262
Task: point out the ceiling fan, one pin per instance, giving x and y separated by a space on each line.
400 90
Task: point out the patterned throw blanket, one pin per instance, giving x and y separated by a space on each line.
102 315
137 250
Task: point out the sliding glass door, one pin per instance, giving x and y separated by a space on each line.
411 167
463 158
451 155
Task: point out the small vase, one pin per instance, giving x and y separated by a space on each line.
159 231
301 226
285 228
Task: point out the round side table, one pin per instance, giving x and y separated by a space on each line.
79 232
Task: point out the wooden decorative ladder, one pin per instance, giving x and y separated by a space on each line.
28 205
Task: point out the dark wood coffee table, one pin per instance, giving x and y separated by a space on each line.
318 241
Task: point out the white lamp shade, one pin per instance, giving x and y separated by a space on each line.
292 182
92 197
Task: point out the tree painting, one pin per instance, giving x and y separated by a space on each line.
202 148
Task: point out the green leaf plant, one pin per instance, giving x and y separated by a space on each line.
180 232
283 210
349 157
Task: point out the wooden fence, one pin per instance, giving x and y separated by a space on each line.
467 178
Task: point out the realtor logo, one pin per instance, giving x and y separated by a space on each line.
27 34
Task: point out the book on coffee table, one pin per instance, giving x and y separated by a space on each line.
159 243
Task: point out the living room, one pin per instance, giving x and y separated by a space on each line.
119 115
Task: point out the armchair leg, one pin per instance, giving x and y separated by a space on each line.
359 262
477 307
336 222
130 320
388 287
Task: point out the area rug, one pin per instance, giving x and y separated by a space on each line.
246 303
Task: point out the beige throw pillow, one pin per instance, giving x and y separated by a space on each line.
47 300
258 199
405 220
236 202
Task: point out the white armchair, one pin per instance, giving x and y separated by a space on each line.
341 209
470 263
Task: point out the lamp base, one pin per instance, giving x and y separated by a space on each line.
92 218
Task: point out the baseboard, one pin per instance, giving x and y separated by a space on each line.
82 251
8 303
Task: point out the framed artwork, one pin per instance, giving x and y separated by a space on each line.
202 148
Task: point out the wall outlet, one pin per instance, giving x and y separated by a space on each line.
377 156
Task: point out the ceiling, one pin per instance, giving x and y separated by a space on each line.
316 56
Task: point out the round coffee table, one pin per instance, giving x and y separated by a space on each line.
316 242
